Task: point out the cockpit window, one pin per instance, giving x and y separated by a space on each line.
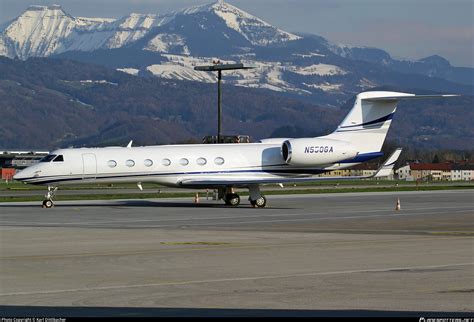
59 158
48 158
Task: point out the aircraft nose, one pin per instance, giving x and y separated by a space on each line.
21 175
18 176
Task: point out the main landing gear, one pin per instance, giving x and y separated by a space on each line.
48 201
259 203
256 198
232 199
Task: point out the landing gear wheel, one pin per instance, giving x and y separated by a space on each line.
48 201
232 199
48 204
255 197
260 202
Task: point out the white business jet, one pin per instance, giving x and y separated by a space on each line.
227 166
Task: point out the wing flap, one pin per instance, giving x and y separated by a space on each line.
203 182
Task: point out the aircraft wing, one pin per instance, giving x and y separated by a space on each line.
384 170
407 97
210 182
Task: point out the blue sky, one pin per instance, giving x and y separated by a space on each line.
410 29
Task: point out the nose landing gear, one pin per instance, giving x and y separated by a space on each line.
48 202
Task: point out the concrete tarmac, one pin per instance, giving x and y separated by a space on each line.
333 254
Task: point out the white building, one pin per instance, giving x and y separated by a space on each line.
462 172
436 172
404 173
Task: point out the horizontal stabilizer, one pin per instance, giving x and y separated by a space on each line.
406 97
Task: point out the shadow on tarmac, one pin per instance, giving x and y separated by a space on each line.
137 203
62 312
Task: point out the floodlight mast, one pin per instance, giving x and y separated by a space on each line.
219 105
219 68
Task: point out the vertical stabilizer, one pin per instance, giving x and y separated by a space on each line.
367 123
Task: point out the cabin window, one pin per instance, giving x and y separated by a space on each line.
130 163
166 162
112 163
59 158
148 163
201 161
48 158
184 161
219 161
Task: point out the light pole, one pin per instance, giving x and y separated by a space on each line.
219 68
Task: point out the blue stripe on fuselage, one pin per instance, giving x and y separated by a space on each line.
359 158
379 120
54 179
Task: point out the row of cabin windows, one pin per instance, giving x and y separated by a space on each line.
166 162
130 163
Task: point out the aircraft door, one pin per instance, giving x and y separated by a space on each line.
89 163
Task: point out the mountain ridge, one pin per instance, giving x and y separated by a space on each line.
177 41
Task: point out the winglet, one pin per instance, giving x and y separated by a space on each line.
386 168
129 145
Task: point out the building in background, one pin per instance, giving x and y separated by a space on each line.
462 172
366 170
11 161
360 170
7 173
447 171
20 159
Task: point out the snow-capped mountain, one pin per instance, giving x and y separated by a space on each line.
170 45
41 31
255 30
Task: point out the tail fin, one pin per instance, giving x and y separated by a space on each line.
367 123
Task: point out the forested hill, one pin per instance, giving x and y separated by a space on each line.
48 103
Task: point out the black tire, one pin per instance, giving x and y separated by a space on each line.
48 203
260 202
232 199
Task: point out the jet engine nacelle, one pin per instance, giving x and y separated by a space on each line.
316 151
